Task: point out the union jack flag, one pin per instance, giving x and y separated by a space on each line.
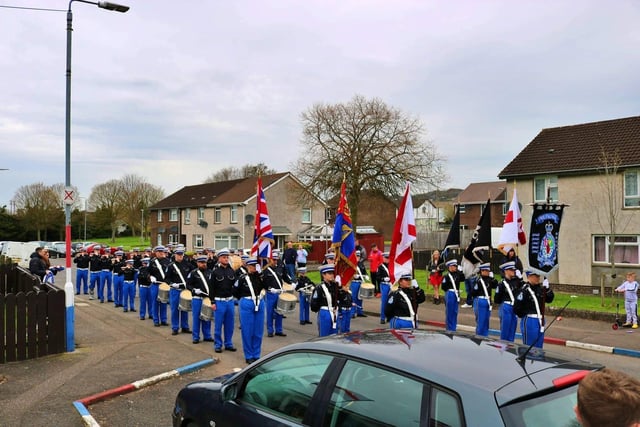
262 233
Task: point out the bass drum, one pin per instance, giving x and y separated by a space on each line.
286 303
206 312
185 300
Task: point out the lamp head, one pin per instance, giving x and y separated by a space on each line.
112 6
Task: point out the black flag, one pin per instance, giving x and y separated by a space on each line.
480 241
453 239
543 238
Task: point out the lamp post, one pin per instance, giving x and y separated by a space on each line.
68 191
141 225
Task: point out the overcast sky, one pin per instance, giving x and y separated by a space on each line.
176 90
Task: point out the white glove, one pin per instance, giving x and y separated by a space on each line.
153 279
175 285
258 268
338 280
545 283
518 274
386 279
491 274
414 283
197 291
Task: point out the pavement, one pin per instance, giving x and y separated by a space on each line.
117 353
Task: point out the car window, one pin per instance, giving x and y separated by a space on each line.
550 410
366 395
286 384
444 410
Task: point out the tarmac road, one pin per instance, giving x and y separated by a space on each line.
116 348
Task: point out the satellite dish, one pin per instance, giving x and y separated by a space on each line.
248 219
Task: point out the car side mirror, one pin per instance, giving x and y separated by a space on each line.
229 392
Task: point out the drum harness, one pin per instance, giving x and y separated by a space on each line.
455 288
275 291
204 282
160 269
183 284
509 291
256 300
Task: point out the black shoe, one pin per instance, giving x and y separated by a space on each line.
249 361
174 332
77 293
186 330
109 300
133 310
270 334
195 341
281 334
125 310
308 322
101 301
382 321
218 350
303 323
156 324
230 348
362 315
284 317
142 318
164 324
208 339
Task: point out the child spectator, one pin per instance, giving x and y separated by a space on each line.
630 289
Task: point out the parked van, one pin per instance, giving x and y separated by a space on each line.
19 252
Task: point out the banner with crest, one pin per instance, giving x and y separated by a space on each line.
544 237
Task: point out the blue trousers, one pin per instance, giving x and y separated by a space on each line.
94 280
82 278
205 325
483 314
252 323
158 309
304 307
355 291
451 310
396 323
274 319
224 317
105 279
145 302
325 325
508 322
385 288
128 295
531 331
468 286
344 320
179 319
291 269
118 282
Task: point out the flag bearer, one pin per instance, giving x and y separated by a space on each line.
248 289
506 291
529 305
402 304
481 294
451 288
324 301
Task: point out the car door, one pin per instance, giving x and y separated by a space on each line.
280 391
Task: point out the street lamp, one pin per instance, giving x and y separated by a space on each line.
68 191
141 225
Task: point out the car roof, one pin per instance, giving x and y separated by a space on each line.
465 363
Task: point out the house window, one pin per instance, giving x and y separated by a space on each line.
200 214
306 215
173 238
217 215
159 239
187 216
159 216
198 241
505 209
233 214
632 189
226 241
462 209
626 249
542 185
173 214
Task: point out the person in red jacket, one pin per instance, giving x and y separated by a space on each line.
375 259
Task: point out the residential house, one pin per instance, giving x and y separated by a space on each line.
472 200
222 214
428 215
376 213
594 169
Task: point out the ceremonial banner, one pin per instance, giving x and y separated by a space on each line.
453 239
480 241
344 240
543 238
512 232
262 233
404 234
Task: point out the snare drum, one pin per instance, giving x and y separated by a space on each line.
367 290
163 292
206 312
286 303
307 291
185 300
288 288
235 261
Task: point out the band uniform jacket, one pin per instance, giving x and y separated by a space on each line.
172 275
502 294
524 301
450 278
397 305
319 299
194 281
489 282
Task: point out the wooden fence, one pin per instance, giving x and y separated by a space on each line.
32 316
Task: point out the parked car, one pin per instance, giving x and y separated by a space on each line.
59 249
391 378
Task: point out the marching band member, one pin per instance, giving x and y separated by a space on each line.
199 283
176 274
529 305
248 289
95 269
506 291
302 283
385 285
481 294
81 261
402 304
450 287
118 277
129 274
106 275
144 283
345 307
324 301
356 282
223 277
157 268
273 284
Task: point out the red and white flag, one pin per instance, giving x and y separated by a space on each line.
404 234
512 231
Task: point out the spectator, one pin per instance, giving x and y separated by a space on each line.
39 262
375 259
302 255
608 398
289 258
630 290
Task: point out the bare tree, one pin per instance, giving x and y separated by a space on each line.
107 197
371 145
39 207
137 195
246 171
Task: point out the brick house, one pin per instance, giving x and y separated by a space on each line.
473 199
